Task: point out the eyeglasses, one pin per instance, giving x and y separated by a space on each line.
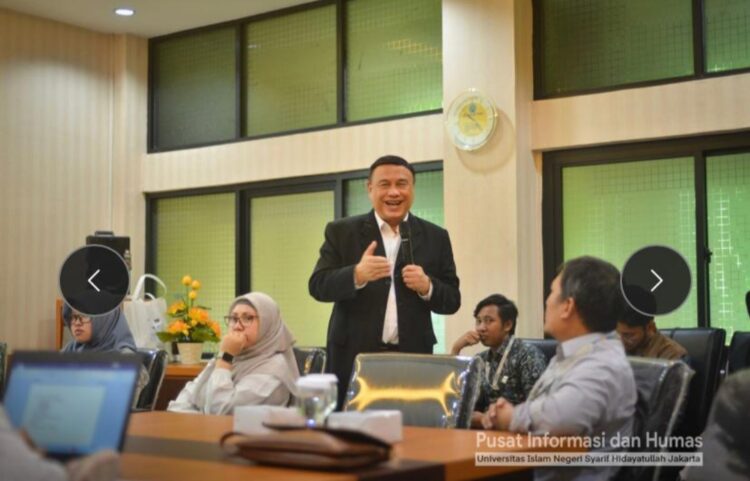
245 319
79 318
484 320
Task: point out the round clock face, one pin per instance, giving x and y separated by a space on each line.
471 120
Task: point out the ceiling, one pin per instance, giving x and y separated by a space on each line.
152 17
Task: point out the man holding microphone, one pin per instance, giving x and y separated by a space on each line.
385 271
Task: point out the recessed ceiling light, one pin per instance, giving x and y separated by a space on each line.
124 12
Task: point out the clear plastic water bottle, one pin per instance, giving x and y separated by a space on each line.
316 398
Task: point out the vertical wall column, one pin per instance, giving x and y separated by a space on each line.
491 195
129 130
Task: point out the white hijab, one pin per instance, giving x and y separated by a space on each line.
273 338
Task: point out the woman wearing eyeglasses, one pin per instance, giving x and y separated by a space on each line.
107 332
255 365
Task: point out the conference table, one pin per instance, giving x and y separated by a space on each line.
185 447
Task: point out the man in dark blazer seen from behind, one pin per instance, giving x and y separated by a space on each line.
385 271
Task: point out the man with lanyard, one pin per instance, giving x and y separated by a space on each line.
588 388
511 366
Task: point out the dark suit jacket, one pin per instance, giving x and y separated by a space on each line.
356 323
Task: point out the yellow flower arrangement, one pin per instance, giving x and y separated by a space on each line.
190 322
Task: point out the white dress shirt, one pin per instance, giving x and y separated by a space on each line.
391 244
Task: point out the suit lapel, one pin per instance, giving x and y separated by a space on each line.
369 232
416 235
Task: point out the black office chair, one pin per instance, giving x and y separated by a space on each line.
310 360
739 352
662 390
429 390
547 346
705 348
155 362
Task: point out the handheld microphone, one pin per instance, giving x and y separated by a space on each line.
406 248
747 302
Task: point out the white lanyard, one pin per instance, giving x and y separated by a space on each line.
493 384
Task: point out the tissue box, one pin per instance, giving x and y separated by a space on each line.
386 425
251 419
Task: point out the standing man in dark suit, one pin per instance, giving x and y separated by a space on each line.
385 271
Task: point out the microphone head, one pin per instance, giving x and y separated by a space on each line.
405 231
747 302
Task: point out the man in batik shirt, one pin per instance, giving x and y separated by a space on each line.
511 366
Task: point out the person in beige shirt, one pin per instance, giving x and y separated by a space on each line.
641 338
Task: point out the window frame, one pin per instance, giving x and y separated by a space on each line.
699 58
699 148
241 63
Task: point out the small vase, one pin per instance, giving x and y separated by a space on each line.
190 352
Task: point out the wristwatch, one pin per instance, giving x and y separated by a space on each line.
226 357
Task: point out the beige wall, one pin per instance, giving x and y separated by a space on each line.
73 118
662 111
59 109
337 150
490 200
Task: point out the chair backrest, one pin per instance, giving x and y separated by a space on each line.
155 362
662 387
310 360
705 348
3 354
739 352
429 390
547 346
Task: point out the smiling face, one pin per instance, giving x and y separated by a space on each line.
391 192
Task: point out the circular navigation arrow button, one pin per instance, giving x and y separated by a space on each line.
94 280
656 280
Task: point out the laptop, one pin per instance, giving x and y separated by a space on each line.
71 404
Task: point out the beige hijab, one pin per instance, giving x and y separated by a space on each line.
273 338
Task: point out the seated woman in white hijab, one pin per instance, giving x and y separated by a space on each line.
255 364
107 332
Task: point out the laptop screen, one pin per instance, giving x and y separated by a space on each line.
71 404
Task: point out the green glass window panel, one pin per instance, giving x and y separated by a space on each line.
291 71
196 235
589 44
195 92
286 232
393 57
428 204
728 184
612 210
727 31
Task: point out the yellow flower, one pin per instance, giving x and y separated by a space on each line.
177 327
192 295
175 308
185 332
198 314
187 280
215 327
196 285
193 323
